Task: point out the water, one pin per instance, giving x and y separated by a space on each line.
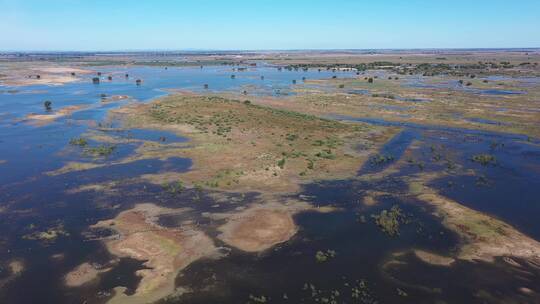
422 83
513 183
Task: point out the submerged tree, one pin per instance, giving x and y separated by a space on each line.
48 105
95 80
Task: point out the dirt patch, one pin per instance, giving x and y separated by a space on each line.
165 250
42 119
483 237
258 230
433 259
114 98
27 74
83 274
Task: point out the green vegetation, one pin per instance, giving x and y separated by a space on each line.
351 292
174 188
389 221
484 159
384 95
100 151
79 141
324 256
381 159
260 299
266 144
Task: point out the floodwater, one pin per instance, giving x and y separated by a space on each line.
423 83
380 266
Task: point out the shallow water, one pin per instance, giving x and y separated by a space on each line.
423 83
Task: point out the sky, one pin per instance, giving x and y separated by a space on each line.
108 25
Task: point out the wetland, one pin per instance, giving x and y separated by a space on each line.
339 177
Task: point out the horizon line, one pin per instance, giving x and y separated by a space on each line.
535 48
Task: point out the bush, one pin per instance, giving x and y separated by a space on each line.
48 105
281 163
81 142
324 256
484 159
389 221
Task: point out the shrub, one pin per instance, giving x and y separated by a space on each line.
48 105
389 221
81 142
100 151
324 256
381 159
484 159
281 163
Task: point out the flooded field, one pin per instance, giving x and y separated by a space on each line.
269 182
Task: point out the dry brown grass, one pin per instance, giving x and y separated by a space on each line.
246 147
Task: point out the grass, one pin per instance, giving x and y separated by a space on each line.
242 144
103 150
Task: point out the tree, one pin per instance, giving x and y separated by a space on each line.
370 80
48 105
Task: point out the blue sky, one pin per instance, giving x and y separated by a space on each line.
96 25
